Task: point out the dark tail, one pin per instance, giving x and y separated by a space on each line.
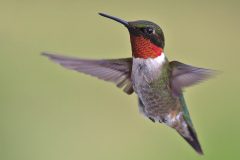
186 129
193 140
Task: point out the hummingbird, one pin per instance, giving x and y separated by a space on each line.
157 82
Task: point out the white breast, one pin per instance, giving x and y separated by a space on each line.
144 71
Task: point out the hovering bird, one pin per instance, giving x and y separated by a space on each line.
157 82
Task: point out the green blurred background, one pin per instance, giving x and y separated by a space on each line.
50 113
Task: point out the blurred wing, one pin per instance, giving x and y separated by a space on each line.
117 71
185 75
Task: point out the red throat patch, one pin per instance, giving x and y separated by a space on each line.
144 48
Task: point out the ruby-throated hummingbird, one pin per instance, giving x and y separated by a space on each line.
157 82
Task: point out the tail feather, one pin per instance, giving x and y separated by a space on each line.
193 140
187 125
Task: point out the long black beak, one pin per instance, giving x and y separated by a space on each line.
125 23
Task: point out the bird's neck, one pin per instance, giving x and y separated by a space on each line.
144 48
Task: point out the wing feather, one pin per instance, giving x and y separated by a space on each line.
184 75
117 71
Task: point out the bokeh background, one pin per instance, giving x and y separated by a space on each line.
50 113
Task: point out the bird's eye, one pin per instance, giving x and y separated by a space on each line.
149 30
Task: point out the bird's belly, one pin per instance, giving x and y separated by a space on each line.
154 92
157 103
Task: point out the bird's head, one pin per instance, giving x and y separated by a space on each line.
147 38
